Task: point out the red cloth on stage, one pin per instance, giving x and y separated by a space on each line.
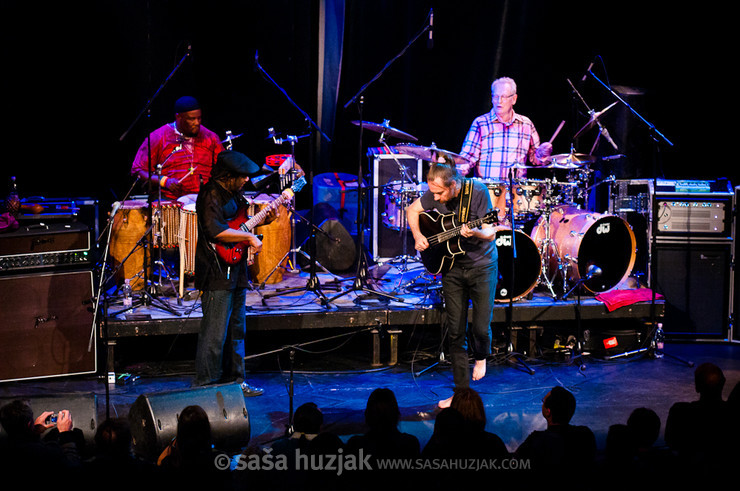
615 299
199 152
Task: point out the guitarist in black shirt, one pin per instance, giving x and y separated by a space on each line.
220 352
471 270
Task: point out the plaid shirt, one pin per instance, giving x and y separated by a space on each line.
495 146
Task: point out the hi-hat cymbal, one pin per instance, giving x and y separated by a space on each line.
386 129
430 154
570 160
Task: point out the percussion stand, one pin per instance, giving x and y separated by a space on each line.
157 218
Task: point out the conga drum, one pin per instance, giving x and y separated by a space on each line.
130 225
276 241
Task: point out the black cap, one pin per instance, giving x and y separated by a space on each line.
236 163
185 104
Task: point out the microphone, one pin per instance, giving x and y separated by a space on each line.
430 41
114 208
593 271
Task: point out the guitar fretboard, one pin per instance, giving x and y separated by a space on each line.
453 232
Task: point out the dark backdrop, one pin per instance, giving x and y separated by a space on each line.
77 74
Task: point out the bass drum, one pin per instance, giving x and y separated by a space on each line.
583 239
526 268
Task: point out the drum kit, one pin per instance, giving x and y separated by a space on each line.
555 242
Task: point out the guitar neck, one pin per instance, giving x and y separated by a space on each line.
453 232
250 224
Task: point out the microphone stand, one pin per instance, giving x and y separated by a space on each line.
510 308
313 284
359 283
147 110
576 352
657 138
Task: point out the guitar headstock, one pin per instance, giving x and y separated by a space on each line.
296 187
491 217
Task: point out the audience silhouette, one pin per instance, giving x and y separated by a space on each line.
561 445
703 433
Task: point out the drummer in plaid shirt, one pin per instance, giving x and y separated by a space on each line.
502 138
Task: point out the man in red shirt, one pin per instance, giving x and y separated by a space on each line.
182 153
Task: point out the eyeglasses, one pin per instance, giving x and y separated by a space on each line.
497 97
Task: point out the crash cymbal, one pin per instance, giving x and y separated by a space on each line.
430 154
570 160
386 129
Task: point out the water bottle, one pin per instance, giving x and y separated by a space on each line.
659 340
13 201
128 294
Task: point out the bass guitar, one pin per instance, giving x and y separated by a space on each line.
234 253
440 230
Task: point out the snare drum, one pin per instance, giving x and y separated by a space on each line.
583 239
527 267
276 240
398 196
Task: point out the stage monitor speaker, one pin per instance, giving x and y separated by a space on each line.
694 278
154 417
82 408
47 325
391 193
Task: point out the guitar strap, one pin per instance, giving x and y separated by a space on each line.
463 210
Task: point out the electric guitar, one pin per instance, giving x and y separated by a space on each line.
236 252
439 231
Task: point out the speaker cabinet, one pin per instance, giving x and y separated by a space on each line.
154 417
392 192
47 325
694 278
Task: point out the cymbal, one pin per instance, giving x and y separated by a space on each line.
386 129
430 154
570 160
231 137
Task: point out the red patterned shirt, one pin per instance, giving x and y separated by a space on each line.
186 159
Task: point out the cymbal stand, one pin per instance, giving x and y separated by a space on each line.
360 281
547 244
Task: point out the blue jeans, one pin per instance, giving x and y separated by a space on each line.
461 286
220 352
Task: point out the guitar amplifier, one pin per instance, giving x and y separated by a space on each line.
41 247
694 208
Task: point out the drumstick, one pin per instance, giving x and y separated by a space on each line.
192 169
560 127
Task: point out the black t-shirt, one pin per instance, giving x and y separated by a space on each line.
215 207
478 252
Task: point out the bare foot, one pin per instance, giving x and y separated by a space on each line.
445 403
479 369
